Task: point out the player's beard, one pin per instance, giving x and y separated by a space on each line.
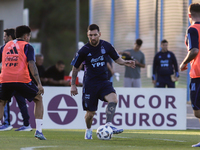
94 42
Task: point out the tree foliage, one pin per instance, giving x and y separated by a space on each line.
56 21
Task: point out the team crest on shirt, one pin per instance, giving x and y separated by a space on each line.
103 51
168 55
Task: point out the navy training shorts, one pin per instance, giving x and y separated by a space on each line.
27 90
93 92
195 93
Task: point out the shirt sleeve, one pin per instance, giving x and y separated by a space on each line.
192 38
113 53
80 57
29 52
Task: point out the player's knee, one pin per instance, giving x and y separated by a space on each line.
197 114
38 98
89 114
112 97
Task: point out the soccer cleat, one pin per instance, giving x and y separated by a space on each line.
24 128
116 131
196 145
88 134
39 135
5 127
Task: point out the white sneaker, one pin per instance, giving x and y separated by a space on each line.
88 134
24 128
5 127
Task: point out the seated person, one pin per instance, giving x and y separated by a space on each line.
41 70
55 75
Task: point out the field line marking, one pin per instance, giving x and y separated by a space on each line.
166 140
32 148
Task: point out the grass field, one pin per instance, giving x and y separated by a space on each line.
74 140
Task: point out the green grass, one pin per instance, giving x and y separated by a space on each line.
74 140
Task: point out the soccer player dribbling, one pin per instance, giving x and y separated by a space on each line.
96 85
192 42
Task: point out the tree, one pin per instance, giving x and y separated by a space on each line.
56 21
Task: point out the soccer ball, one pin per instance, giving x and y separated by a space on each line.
104 132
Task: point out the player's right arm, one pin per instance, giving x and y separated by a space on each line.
76 62
154 70
74 90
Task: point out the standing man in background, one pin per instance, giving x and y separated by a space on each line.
192 42
132 77
9 35
164 66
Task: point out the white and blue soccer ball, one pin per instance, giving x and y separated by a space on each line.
104 132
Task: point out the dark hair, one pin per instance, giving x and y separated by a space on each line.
164 41
60 62
10 32
194 9
139 42
21 30
93 27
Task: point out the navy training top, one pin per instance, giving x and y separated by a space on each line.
95 59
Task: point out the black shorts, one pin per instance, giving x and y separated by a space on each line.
163 81
27 90
195 93
93 92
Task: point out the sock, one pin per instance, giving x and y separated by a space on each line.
89 129
108 124
110 111
39 123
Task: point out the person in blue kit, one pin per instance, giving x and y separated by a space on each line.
96 84
164 67
9 34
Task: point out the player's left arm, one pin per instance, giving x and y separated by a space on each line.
115 56
129 63
32 67
192 39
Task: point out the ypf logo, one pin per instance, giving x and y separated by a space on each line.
62 109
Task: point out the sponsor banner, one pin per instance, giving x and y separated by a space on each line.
138 108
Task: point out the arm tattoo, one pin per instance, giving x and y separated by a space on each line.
34 71
74 75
